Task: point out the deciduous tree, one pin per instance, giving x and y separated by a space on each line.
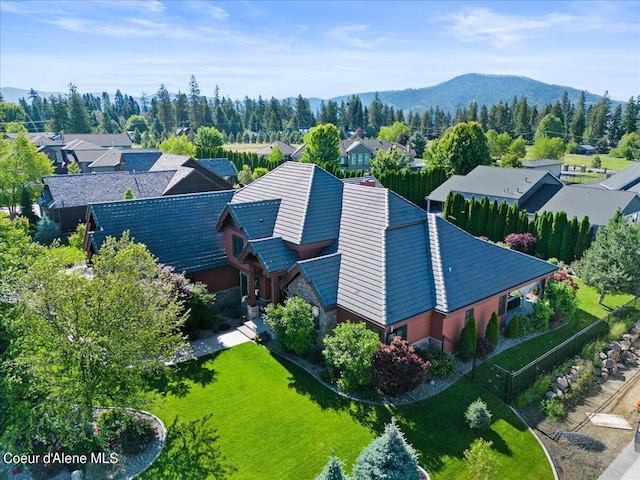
178 145
323 145
462 148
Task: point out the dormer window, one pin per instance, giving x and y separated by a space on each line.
237 244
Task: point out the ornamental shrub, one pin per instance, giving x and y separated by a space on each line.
478 415
129 430
387 457
562 298
514 329
492 332
349 353
468 341
397 368
481 460
521 242
484 347
293 324
539 318
443 364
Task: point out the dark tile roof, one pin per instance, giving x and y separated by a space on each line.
179 230
624 179
139 160
256 219
596 203
322 273
273 254
223 167
467 269
310 201
82 189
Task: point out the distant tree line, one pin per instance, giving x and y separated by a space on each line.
556 236
158 116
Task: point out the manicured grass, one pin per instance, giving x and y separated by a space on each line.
589 310
275 421
610 163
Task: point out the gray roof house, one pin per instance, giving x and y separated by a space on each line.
356 252
223 167
551 166
528 188
139 159
287 150
626 179
597 203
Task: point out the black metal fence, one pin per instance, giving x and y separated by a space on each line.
509 384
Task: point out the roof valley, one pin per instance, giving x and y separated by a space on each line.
436 263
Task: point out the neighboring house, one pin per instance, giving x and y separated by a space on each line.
110 161
191 176
287 150
64 198
598 204
355 252
586 150
528 188
627 179
552 166
223 167
356 153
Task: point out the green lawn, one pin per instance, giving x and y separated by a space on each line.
610 163
589 310
272 421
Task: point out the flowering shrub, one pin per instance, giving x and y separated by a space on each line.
521 242
397 368
130 430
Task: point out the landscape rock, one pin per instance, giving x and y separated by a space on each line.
615 346
77 475
608 363
562 383
613 355
550 395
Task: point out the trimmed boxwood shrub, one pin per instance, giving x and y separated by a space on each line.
493 330
468 341
397 368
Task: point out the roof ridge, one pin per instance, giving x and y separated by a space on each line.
306 205
436 263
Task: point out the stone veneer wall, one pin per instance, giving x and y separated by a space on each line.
299 287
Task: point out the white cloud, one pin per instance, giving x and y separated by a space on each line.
219 13
500 29
351 35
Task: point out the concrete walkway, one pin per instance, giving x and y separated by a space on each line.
625 467
213 344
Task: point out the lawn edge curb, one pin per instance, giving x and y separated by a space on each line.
544 449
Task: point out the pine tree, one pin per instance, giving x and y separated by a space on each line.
389 456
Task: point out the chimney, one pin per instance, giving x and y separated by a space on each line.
368 181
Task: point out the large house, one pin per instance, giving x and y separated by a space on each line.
354 251
64 198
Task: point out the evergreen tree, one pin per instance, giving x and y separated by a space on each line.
500 222
468 341
492 332
484 217
78 115
474 225
387 457
630 117
584 237
334 470
523 222
569 239
543 234
166 112
612 264
26 207
513 215
579 122
557 232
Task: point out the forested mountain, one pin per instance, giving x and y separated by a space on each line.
460 91
456 93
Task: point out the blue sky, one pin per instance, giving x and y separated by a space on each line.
315 48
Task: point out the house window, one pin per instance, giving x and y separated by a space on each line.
366 159
354 158
502 305
237 244
468 314
360 158
398 332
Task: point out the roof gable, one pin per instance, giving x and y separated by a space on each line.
624 179
256 219
139 160
322 274
222 167
272 253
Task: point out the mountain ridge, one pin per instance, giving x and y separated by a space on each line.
458 92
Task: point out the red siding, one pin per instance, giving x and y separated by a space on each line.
218 278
